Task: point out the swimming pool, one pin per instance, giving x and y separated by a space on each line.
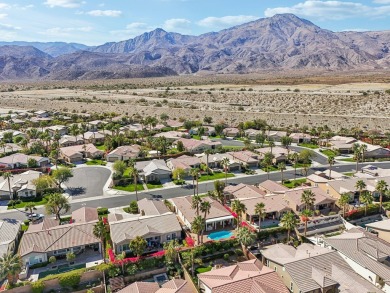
220 235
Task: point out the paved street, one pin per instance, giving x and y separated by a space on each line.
118 200
87 181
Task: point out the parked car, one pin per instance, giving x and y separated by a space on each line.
35 217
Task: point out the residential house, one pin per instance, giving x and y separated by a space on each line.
184 162
381 228
375 171
152 207
215 161
96 124
245 277
10 148
57 129
48 238
243 191
219 216
172 136
272 187
42 114
247 159
15 133
78 153
252 133
70 140
276 135
280 154
10 231
21 161
231 132
366 253
322 201
156 230
94 137
154 171
124 153
21 185
275 206
312 269
301 137
195 146
172 286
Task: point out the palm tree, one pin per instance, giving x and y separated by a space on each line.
289 222
245 236
57 204
343 201
281 167
295 159
10 266
267 162
100 231
196 201
207 152
308 198
225 162
7 176
271 144
381 187
30 206
238 207
74 130
134 173
363 150
260 211
205 207
197 226
360 185
366 198
286 142
356 155
331 162
194 173
305 217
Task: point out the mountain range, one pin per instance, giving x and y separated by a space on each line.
279 43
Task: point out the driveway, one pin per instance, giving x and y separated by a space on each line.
87 181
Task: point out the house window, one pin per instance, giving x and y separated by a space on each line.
173 235
291 286
267 263
26 193
275 269
168 237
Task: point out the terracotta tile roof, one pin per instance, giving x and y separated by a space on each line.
244 191
245 277
176 286
141 287
184 204
273 187
184 162
152 207
273 203
78 149
245 156
295 195
85 215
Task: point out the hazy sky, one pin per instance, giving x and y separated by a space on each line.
95 22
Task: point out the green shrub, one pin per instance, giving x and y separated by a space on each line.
71 279
39 265
238 252
226 256
38 287
102 211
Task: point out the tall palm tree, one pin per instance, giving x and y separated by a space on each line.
56 204
197 226
205 207
305 217
366 198
381 187
308 198
134 173
363 150
295 159
356 155
271 144
196 201
360 185
7 176
245 236
343 201
10 266
289 222
225 162
331 162
207 152
260 211
238 207
194 173
267 162
281 167
100 231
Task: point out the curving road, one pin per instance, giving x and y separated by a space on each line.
111 201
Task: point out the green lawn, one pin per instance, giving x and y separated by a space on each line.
130 187
328 153
349 174
61 269
308 145
232 148
153 185
348 160
127 173
38 201
101 147
203 269
215 176
291 183
270 169
299 165
95 162
195 136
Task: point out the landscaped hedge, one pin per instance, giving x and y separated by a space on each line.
360 213
38 287
265 233
70 279
102 211
39 265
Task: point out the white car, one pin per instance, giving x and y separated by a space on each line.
35 217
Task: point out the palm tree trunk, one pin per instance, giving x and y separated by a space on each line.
10 191
330 171
267 172
193 184
295 171
192 261
135 187
357 165
197 185
305 227
259 223
103 250
281 172
380 202
288 235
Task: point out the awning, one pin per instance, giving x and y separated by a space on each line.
219 219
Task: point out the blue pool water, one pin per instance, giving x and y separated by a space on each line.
220 235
